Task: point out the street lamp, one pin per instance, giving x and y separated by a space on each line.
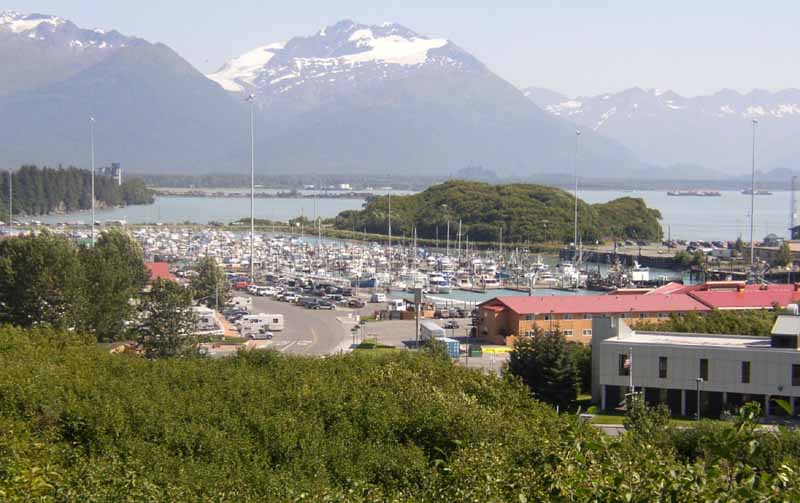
251 100
91 145
753 196
698 381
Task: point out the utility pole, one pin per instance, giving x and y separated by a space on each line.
252 99
753 197
91 145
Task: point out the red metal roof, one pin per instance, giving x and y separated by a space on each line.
748 298
600 304
159 270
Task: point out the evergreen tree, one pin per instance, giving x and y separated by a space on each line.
114 275
167 321
544 364
210 286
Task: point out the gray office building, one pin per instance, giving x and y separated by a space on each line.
670 368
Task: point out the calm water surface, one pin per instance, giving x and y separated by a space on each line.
708 218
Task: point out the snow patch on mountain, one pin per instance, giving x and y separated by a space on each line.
245 68
17 22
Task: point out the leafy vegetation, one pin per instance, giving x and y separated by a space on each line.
733 322
521 212
210 286
47 280
38 191
375 426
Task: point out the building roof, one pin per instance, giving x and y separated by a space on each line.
786 325
598 304
749 298
159 270
704 340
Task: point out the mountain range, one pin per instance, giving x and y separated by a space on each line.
355 99
707 136
350 98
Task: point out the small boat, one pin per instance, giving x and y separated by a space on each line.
757 192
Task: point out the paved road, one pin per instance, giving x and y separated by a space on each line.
306 331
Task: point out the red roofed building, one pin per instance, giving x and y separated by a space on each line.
159 270
502 319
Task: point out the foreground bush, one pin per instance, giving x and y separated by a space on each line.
79 424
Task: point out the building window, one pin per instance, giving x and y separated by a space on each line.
587 316
567 333
662 367
745 372
587 331
704 369
643 316
529 317
548 317
663 315
624 365
627 315
795 375
567 316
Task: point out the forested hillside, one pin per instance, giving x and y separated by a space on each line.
80 424
522 212
38 191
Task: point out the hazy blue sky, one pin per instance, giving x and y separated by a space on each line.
576 47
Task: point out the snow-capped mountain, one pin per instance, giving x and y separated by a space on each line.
358 98
714 131
345 54
36 49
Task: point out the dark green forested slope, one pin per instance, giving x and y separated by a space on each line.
80 424
524 212
38 191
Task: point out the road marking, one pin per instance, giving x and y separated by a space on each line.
284 348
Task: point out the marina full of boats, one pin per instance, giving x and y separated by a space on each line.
375 266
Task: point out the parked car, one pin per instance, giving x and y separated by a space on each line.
323 304
451 324
378 297
241 285
356 303
290 297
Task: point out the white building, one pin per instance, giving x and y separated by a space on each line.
666 367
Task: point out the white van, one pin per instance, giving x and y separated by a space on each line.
378 297
396 305
253 323
265 291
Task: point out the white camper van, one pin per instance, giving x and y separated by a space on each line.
255 323
206 321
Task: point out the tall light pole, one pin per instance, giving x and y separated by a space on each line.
91 145
10 201
753 196
251 99
575 171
